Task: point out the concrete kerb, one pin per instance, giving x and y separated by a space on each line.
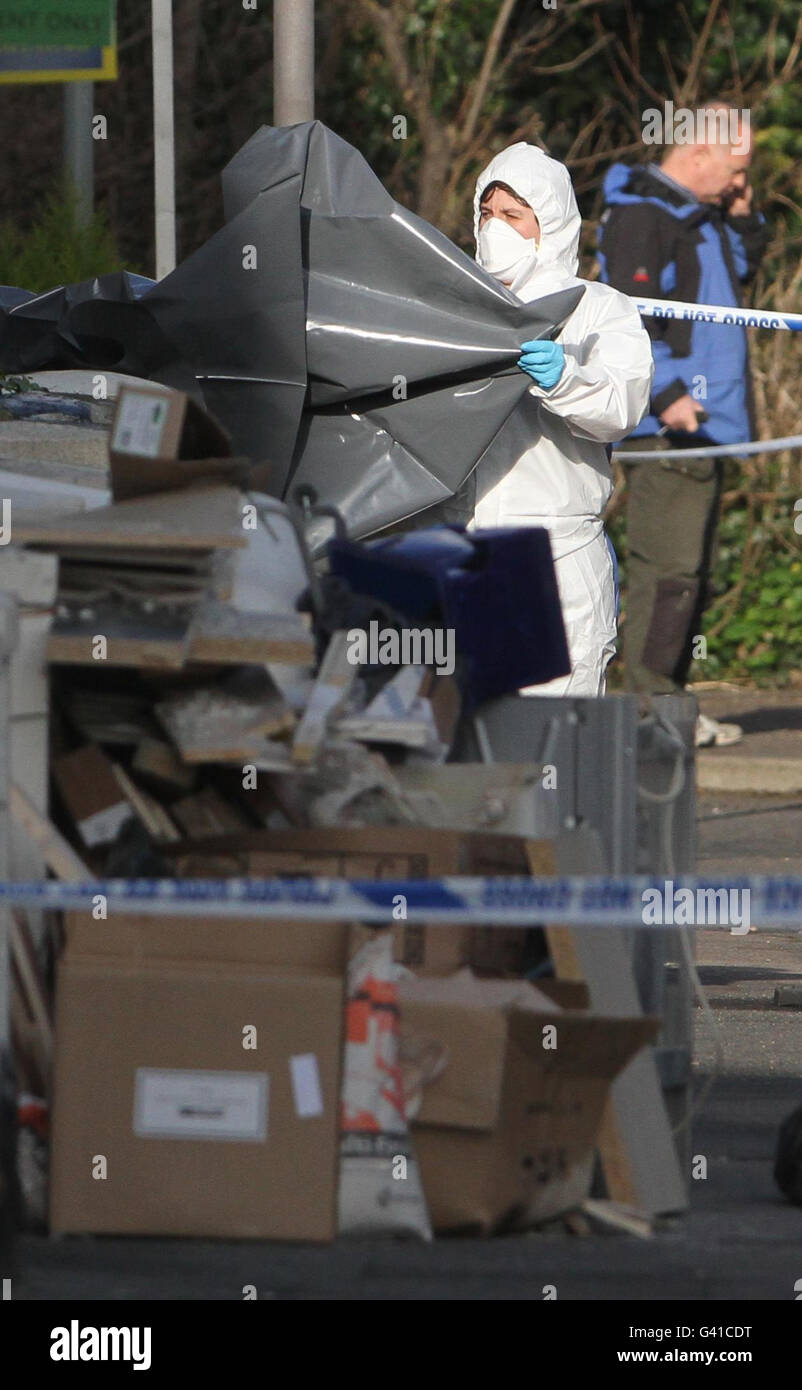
726 772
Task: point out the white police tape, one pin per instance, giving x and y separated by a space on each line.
736 318
717 313
754 446
495 902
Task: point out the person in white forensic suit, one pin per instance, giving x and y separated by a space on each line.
590 387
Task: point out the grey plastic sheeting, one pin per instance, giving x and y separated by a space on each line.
333 332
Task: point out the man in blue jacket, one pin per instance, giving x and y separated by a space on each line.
683 229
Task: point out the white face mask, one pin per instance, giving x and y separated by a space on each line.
505 253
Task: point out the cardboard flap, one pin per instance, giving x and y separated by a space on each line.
467 1094
586 1045
245 941
162 439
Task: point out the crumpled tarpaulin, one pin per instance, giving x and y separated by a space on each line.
333 332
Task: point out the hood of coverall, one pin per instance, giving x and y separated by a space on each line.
546 186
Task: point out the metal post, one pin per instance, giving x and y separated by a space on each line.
8 1087
293 61
79 147
8 641
163 136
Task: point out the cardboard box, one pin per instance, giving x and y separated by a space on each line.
381 852
201 1135
505 1135
91 794
162 439
386 852
292 945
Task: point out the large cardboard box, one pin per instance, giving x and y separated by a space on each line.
393 852
197 1078
246 941
505 1134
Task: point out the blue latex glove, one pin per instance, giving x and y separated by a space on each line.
544 361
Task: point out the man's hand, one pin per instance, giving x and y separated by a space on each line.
683 414
739 202
544 361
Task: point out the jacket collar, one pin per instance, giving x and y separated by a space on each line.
649 181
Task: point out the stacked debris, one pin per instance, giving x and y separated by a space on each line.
223 708
193 693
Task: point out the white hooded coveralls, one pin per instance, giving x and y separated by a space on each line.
561 478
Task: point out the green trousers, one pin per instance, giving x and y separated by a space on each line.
672 511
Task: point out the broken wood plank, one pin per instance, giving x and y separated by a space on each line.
149 811
155 761
57 853
199 518
226 721
32 983
208 813
228 637
111 633
615 1216
329 694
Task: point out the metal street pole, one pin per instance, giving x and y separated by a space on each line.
9 633
293 61
163 136
79 147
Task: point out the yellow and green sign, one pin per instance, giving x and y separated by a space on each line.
57 40
55 23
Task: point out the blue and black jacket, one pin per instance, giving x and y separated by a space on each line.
657 241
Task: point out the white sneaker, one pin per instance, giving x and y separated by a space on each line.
711 734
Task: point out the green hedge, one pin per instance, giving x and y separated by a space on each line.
57 249
753 625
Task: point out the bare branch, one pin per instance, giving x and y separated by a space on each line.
771 45
729 35
605 154
634 39
327 66
431 54
793 53
636 74
385 21
692 75
545 31
486 70
687 22
587 130
673 81
577 62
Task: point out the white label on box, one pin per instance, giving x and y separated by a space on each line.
306 1085
200 1104
139 424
